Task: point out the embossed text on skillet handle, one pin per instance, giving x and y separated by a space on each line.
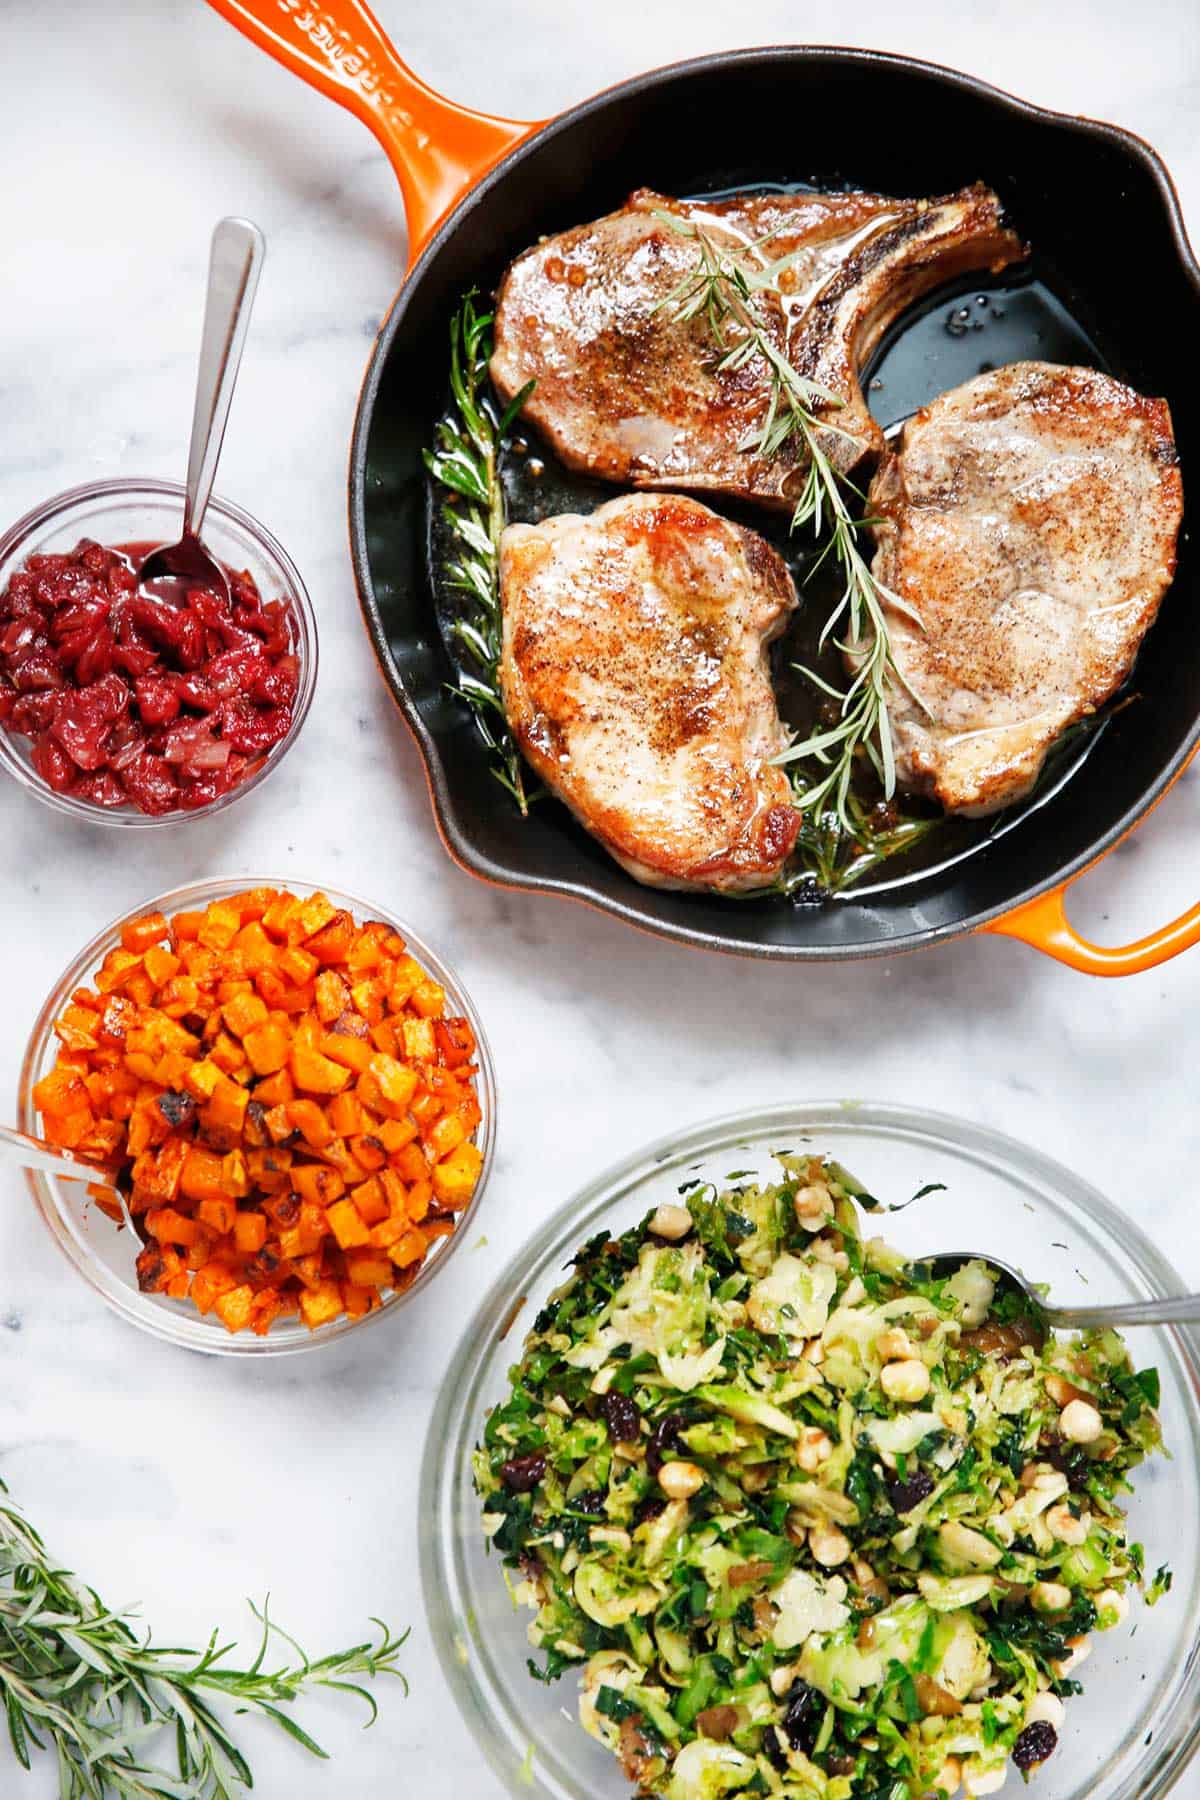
438 149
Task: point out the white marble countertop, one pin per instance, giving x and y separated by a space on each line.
190 1483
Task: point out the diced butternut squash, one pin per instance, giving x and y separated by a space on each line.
284 1095
454 1178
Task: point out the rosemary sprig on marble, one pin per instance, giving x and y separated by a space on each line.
465 463
720 288
79 1685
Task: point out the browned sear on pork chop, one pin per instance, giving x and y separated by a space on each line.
627 391
1030 518
635 680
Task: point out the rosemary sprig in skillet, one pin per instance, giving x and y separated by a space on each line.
465 464
78 1683
720 288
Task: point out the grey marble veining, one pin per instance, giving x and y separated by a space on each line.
190 1483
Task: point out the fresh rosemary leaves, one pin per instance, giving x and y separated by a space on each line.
721 289
79 1684
465 463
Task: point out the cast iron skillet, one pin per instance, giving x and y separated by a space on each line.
1095 200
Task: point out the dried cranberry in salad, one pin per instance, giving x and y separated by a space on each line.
134 701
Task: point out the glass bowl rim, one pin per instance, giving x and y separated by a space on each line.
457 1414
131 489
186 1329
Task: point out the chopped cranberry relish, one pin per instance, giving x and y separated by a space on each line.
132 701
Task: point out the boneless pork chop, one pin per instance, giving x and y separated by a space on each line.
634 676
627 392
1030 517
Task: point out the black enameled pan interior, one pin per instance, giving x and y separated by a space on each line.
1110 253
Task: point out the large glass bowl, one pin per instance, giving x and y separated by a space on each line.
1134 1729
105 1256
151 512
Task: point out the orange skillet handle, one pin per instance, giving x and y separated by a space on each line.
438 149
1044 924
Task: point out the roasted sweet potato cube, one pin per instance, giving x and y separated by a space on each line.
455 1176
428 999
410 1163
226 1110
321 1304
419 1200
406 975
389 1086
249 1232
276 1090
310 916
245 1012
408 1249
222 922
209 1283
172 1227
331 996
310 1121
389 1232
279 915
161 964
395 1133
218 1215
228 1054
299 966
203 1078
418 1040
137 935
358 1301
202 1175
369 1150
348 1225
353 1053
279 1124
236 1308
446 1135
369 1268
253 948
267 1047
315 1073
369 997
346 1115
235 1176
370 1200
330 944
316 1182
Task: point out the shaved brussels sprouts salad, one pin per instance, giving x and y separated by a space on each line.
806 1521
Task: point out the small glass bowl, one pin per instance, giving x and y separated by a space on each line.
105 1255
151 512
1136 1726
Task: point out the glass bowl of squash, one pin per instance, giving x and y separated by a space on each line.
290 1105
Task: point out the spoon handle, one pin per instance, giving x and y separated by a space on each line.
234 263
1182 1310
33 1154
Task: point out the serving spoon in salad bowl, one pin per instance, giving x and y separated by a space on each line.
35 1153
235 260
1176 1309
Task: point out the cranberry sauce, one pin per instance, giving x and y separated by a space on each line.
130 701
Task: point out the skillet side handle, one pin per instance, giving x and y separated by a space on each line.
1043 924
438 149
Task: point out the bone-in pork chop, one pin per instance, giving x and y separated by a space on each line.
1030 517
634 675
626 391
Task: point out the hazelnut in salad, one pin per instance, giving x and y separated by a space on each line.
804 1521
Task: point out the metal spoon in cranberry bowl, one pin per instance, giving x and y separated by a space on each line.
126 710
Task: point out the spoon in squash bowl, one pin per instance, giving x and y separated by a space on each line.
34 1153
1181 1309
235 259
